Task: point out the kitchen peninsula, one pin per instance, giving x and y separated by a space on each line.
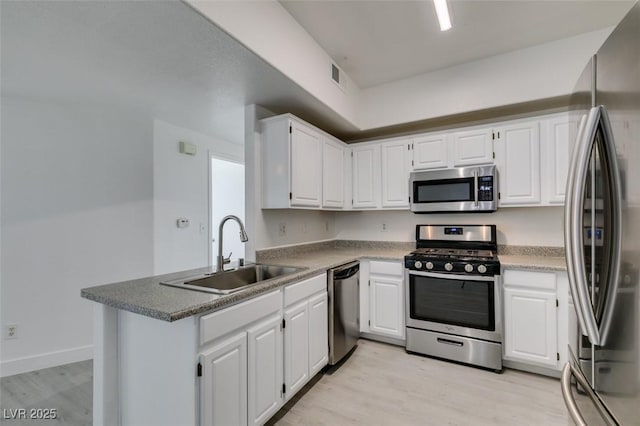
149 338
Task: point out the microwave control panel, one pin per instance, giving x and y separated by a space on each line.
485 188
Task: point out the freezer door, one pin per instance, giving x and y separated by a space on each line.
584 406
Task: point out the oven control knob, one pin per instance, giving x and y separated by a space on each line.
418 264
468 267
429 265
448 266
482 269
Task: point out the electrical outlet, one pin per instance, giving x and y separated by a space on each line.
326 226
304 227
282 229
384 227
11 331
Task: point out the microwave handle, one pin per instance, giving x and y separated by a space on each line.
475 185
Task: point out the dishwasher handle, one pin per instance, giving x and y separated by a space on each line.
346 271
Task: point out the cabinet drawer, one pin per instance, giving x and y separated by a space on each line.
538 280
386 268
298 291
219 323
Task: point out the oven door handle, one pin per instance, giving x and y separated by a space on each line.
452 276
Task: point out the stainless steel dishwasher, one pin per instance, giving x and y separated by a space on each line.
344 310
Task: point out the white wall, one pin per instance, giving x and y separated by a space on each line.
76 212
536 226
545 71
268 30
181 189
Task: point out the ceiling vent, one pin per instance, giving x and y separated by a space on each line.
337 77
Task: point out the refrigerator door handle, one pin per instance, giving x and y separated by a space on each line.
569 400
568 372
573 228
616 226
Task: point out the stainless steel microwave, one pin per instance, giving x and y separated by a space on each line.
461 189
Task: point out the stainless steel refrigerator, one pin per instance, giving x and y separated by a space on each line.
601 382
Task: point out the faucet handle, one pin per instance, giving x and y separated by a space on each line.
226 260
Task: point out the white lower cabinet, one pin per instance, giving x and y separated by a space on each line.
223 388
255 355
531 329
536 319
264 370
382 299
318 333
305 332
296 340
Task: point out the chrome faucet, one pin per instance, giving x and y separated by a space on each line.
221 260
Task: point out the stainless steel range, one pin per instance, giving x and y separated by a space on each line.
453 305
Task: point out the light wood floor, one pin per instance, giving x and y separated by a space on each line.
68 389
378 385
383 385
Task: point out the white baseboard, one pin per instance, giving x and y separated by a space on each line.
46 360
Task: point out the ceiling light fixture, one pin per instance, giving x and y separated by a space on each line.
443 14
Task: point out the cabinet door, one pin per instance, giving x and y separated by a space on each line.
557 147
318 333
518 160
472 147
265 364
223 387
386 307
395 173
333 174
366 177
296 348
306 166
430 152
530 326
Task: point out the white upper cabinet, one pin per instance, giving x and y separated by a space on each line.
302 167
396 164
430 151
333 173
306 166
518 161
556 143
366 176
471 147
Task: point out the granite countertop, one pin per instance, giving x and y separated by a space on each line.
537 263
146 296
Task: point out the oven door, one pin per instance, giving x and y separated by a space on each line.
455 304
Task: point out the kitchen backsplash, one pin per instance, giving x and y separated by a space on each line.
299 249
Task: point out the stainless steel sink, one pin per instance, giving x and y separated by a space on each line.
231 281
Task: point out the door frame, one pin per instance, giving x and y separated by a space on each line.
218 156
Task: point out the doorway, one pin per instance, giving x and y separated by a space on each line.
227 197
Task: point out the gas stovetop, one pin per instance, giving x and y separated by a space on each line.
454 253
461 250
